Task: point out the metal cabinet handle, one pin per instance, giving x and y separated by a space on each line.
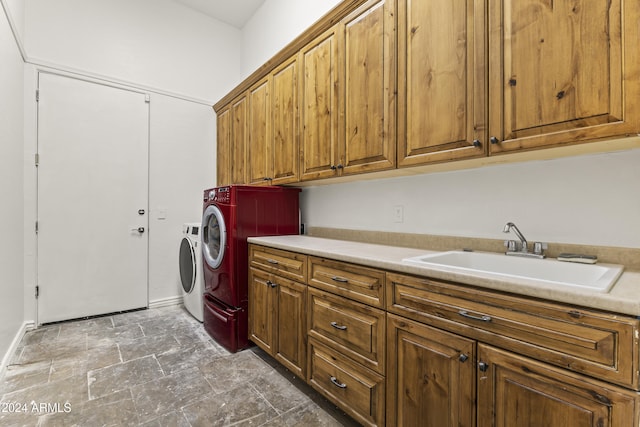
339 279
465 313
476 143
340 327
335 382
139 229
272 261
270 283
463 357
483 366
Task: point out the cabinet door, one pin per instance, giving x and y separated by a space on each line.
515 391
259 148
562 72
441 90
291 350
223 147
262 310
319 107
368 88
430 378
284 154
238 150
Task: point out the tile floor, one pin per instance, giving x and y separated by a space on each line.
153 367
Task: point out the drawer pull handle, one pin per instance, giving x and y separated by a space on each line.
465 313
341 327
270 283
272 261
335 382
339 279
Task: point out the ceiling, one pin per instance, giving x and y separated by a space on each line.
233 12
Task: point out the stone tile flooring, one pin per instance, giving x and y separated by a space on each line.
153 367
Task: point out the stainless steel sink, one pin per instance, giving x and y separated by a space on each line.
597 278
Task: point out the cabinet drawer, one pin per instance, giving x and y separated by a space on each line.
352 281
353 329
355 389
589 342
286 264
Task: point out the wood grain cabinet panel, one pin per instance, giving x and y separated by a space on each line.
318 91
286 264
431 376
368 88
283 167
589 342
354 329
348 280
232 143
356 389
223 159
441 89
262 311
562 72
516 391
277 321
259 148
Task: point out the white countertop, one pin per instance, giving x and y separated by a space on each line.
623 298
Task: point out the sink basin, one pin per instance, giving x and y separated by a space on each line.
586 276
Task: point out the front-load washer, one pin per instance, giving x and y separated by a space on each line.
191 277
230 215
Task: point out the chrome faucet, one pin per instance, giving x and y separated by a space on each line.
522 249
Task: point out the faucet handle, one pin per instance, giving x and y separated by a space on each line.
511 245
539 248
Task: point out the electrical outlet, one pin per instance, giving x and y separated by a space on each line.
398 213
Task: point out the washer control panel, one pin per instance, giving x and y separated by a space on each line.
220 194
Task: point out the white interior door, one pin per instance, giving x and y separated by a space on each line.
92 198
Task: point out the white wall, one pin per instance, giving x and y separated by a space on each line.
11 187
274 25
182 155
589 199
152 43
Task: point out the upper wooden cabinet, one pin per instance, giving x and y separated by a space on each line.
284 129
259 125
441 89
318 90
380 84
367 90
347 90
562 72
273 127
232 134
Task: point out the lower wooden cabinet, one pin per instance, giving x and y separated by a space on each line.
277 310
517 391
431 376
356 389
436 354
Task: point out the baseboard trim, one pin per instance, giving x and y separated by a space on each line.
24 328
165 302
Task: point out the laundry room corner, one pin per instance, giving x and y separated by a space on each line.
182 164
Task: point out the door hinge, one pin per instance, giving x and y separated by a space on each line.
37 95
36 227
37 291
37 159
147 98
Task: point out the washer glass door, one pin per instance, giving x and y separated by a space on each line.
187 265
214 236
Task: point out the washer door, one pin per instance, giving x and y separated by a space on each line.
214 236
187 265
